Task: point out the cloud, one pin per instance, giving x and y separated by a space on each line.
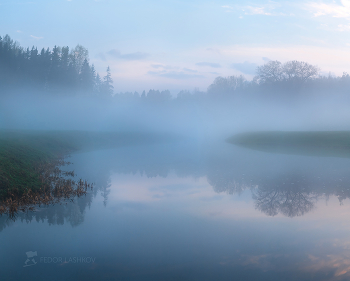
114 53
36 38
213 50
343 27
266 9
101 56
190 70
157 66
18 31
228 8
135 56
162 66
210 64
174 74
131 56
332 9
266 59
245 67
250 10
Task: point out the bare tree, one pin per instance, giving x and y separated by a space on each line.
226 85
299 71
287 78
79 54
270 72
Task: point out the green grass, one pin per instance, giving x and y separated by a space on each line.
22 152
21 155
313 143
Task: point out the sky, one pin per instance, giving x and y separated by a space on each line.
183 45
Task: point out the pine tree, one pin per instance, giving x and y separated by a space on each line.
59 69
98 84
107 84
85 78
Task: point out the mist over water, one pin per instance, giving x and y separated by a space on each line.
203 117
161 210
173 197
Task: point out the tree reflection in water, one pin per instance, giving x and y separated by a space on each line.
71 212
288 198
287 194
287 185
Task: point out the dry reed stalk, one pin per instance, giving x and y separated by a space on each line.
56 187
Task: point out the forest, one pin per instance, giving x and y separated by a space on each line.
66 71
60 70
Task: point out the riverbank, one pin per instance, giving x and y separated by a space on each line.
30 164
312 143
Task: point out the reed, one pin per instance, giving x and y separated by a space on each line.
56 186
30 172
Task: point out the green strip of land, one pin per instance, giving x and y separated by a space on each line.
22 153
313 143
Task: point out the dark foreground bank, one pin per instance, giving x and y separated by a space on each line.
30 163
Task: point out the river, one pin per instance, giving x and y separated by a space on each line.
189 210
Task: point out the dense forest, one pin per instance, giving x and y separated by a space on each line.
68 72
61 70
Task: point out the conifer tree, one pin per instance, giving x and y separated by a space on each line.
85 78
59 70
98 84
108 83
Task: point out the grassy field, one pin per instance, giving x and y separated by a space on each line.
22 153
20 159
313 143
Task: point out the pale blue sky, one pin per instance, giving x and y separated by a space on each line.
185 44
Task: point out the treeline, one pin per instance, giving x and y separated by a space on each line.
292 79
67 71
273 80
61 69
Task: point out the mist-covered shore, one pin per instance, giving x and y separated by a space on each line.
53 102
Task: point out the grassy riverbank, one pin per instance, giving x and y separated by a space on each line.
21 157
314 143
23 154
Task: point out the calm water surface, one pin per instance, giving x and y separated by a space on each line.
189 211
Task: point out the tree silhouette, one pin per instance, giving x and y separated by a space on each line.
226 86
158 96
299 71
270 72
107 86
86 78
57 71
288 77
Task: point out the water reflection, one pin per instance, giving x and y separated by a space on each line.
162 211
289 198
70 211
290 185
